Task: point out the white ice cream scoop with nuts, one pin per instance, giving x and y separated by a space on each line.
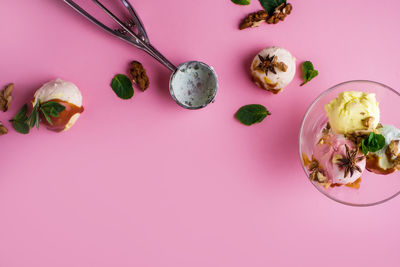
66 94
387 159
273 69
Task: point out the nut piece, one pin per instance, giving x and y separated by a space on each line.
327 129
5 97
358 136
3 129
392 150
280 13
367 122
316 174
254 19
281 66
139 75
269 64
396 163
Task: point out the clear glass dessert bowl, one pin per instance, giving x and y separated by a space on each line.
374 188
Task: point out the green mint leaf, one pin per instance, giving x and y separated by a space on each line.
241 2
373 143
122 86
32 119
37 119
21 115
370 137
21 126
20 120
379 143
270 5
34 115
251 114
364 147
52 108
308 72
306 66
47 117
54 105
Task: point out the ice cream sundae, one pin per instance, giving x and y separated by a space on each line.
353 141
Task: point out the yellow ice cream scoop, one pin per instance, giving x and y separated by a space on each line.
353 111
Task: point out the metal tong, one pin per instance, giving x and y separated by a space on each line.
139 40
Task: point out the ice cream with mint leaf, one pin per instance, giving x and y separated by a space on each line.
387 159
62 93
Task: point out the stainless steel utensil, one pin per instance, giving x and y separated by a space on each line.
193 84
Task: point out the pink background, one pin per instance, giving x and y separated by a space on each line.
146 183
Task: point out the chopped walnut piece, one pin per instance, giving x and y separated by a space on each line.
3 129
139 75
253 19
396 163
358 136
280 65
269 64
392 150
6 97
367 122
315 173
280 13
327 129
306 161
313 165
321 178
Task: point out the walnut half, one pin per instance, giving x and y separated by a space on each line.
3 129
280 13
367 122
6 97
392 150
254 19
139 75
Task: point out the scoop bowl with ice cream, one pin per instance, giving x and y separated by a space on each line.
65 93
352 107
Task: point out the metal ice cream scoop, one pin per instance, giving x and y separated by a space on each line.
193 84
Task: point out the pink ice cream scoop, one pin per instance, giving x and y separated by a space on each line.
330 152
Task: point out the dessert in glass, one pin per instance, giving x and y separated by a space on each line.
349 143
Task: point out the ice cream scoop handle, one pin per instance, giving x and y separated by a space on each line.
142 40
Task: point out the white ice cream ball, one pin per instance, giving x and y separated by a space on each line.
64 91
274 82
59 89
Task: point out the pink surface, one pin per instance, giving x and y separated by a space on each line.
146 183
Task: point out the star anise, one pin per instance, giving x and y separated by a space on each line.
349 162
270 63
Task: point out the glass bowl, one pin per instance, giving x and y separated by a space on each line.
374 189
